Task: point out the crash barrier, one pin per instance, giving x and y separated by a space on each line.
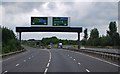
11 53
107 55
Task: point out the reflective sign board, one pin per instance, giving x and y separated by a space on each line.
50 21
60 21
39 20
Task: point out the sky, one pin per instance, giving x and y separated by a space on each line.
86 14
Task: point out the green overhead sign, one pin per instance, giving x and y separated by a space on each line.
39 20
50 21
60 21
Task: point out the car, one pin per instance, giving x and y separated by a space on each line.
49 47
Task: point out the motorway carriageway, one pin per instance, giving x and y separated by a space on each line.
55 60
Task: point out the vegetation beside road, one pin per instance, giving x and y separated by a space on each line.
0 40
46 41
9 41
111 39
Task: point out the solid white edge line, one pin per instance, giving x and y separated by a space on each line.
87 70
17 65
7 59
15 56
95 58
99 59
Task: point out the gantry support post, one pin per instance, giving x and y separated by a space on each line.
78 40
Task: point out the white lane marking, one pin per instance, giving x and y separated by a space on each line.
7 59
50 55
48 65
46 70
79 63
95 58
4 72
24 60
17 65
29 58
74 59
70 57
48 62
15 56
99 59
87 70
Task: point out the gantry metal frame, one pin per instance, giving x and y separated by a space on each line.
50 29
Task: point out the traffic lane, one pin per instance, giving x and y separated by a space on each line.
37 63
92 64
10 65
16 57
28 49
60 62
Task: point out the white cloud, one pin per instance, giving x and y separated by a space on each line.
60 0
83 14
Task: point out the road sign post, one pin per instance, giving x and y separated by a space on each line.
78 40
20 39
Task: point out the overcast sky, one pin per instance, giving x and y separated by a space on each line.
92 14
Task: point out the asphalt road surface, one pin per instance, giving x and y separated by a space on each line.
55 60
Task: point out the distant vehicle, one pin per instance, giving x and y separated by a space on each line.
49 47
59 45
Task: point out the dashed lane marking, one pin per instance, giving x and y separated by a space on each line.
4 72
46 70
87 70
48 65
74 59
29 58
24 60
79 63
17 65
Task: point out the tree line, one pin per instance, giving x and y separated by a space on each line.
9 41
47 41
112 37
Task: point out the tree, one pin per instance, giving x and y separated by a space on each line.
94 37
94 33
85 34
112 33
84 40
9 41
105 41
112 29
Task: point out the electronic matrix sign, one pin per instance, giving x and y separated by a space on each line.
50 21
39 20
60 21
